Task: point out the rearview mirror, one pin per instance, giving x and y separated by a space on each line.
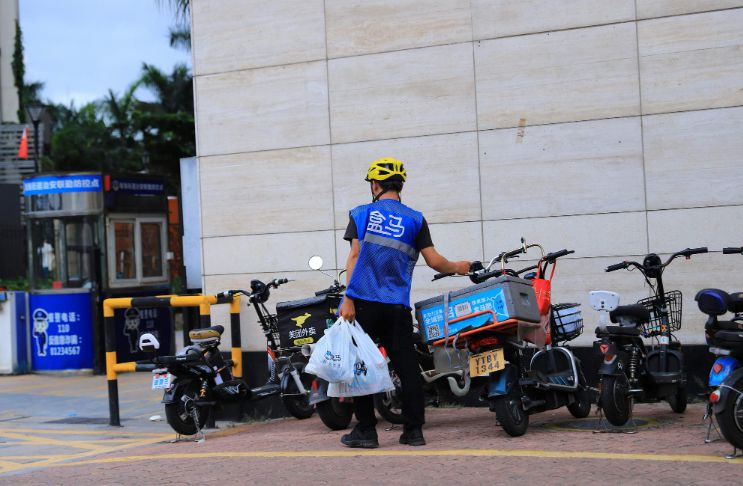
148 343
315 262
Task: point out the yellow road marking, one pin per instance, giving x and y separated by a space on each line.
53 460
429 453
79 432
34 440
31 458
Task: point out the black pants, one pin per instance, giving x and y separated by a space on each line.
392 326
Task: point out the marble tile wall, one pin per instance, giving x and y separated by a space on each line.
611 127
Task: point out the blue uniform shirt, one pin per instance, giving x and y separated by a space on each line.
388 233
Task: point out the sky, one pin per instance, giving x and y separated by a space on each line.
82 48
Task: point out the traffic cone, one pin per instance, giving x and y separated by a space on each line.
23 148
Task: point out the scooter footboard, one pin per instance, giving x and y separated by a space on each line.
673 370
557 367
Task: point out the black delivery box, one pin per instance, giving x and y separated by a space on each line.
305 321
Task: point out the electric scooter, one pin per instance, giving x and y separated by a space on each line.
526 371
632 371
725 340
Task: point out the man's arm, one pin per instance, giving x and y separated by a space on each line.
348 310
438 262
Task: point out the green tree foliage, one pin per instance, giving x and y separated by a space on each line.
119 133
167 125
19 68
28 93
180 34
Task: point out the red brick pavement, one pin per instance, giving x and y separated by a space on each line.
450 429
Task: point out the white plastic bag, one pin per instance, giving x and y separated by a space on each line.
334 355
371 374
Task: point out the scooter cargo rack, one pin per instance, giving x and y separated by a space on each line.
503 326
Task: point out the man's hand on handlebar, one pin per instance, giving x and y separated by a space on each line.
462 267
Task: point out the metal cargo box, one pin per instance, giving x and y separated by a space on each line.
509 297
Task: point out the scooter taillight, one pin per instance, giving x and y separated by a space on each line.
383 351
717 367
714 397
604 348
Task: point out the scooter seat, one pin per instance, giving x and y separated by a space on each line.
205 333
735 304
618 330
729 339
728 326
635 313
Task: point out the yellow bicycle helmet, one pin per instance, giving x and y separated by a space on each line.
386 169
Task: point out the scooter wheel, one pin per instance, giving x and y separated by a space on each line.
298 405
678 400
581 407
180 413
615 399
389 407
511 415
336 415
731 417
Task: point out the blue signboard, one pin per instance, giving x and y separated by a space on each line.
62 183
138 186
61 330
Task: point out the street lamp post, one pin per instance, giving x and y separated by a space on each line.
35 112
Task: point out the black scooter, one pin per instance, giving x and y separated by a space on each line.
194 381
198 378
631 371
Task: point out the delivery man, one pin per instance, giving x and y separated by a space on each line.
386 239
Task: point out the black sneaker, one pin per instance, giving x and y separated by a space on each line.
413 437
365 439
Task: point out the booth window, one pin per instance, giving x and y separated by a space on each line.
124 256
63 252
136 250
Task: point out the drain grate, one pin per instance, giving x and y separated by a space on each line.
82 421
592 424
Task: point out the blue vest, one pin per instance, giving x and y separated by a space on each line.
387 231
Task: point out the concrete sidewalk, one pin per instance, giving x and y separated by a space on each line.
53 430
48 419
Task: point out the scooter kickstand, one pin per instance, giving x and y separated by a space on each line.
633 430
607 429
708 417
735 454
200 435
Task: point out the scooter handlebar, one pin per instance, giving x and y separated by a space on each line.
617 266
694 251
731 250
550 257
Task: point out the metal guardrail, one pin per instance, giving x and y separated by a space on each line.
203 302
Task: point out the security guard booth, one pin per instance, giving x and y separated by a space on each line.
92 236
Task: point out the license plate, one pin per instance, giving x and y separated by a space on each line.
161 380
485 363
